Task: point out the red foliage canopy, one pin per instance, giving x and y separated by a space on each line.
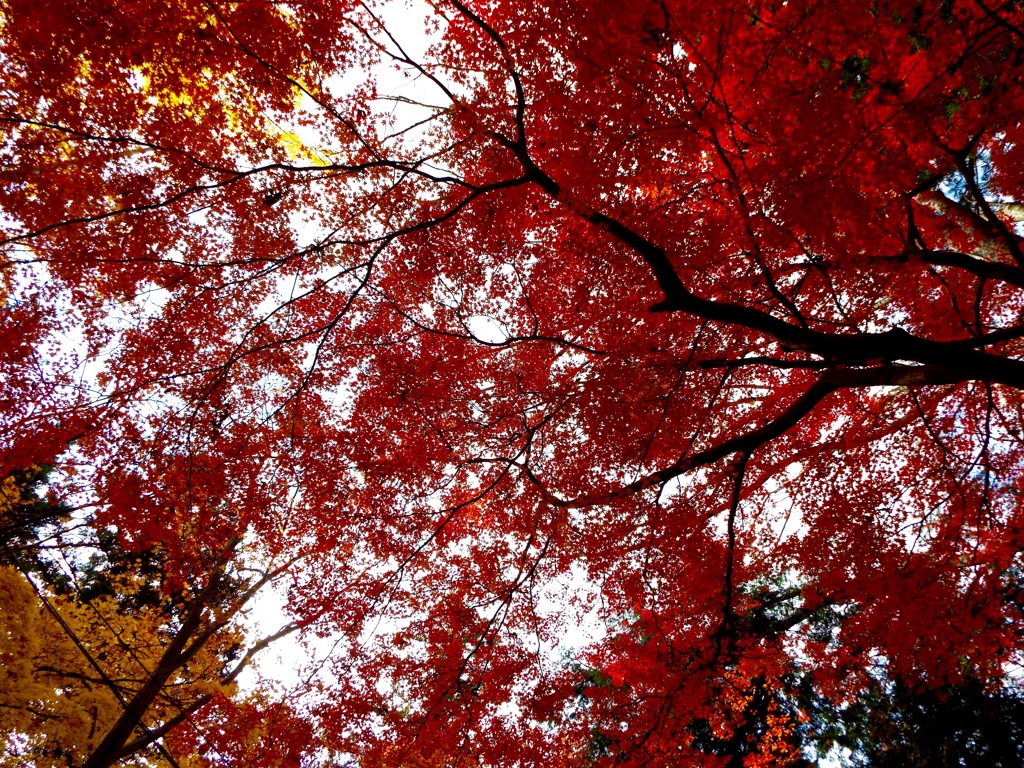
705 316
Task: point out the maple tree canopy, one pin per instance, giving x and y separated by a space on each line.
699 324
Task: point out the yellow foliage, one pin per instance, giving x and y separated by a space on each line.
55 707
296 149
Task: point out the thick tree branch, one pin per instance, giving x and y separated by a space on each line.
110 748
852 349
158 732
831 381
986 270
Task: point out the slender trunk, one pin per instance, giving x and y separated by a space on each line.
111 749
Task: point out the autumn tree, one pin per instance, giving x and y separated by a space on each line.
702 320
104 654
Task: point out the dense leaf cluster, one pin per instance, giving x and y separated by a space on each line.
631 382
